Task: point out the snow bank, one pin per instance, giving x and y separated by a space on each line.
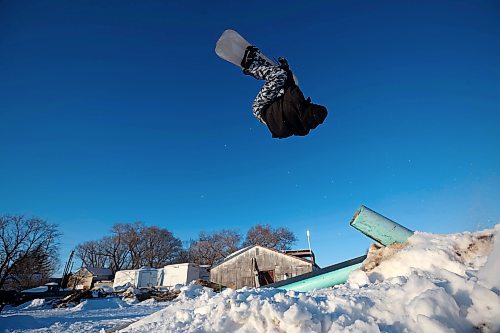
40 289
489 275
37 303
18 322
434 283
91 316
101 303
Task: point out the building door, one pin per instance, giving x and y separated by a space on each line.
266 277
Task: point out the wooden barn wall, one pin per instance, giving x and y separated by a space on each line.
85 280
238 272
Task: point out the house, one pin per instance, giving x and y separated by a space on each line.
85 277
256 266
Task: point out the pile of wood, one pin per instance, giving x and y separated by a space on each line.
163 296
74 298
157 295
207 284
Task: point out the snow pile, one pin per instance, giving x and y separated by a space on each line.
148 302
38 303
435 283
106 290
131 295
40 289
100 303
18 322
90 316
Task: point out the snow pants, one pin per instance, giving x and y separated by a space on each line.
275 78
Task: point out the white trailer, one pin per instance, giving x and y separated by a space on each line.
147 278
182 274
137 278
125 278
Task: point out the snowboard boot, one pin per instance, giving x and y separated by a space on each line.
251 57
283 63
252 53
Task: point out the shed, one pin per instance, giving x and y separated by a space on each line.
183 274
257 266
85 277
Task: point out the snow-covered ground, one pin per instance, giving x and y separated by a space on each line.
435 283
92 315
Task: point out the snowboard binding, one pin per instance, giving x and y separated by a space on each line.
252 54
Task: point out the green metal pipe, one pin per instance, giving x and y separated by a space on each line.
370 223
323 281
378 227
323 278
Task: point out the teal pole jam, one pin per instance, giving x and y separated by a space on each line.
323 278
326 280
379 228
370 223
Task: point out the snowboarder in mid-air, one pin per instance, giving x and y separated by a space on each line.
280 104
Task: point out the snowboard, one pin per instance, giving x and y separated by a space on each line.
231 47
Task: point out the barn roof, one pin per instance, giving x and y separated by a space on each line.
245 249
98 271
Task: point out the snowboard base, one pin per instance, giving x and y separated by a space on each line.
231 47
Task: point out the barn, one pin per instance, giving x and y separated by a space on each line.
85 277
256 266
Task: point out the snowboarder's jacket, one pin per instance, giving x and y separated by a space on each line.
292 114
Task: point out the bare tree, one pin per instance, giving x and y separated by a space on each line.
147 246
92 254
131 246
35 269
280 239
211 248
130 235
185 254
160 247
116 249
26 245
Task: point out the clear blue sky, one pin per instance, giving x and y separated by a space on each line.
120 111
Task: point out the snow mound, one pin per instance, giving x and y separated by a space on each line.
103 289
38 303
101 303
16 322
148 302
40 289
434 283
